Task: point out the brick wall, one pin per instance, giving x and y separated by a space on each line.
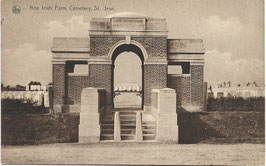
155 46
196 85
100 46
100 76
59 84
186 91
74 88
175 82
155 77
182 86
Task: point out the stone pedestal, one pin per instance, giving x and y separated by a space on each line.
89 127
167 129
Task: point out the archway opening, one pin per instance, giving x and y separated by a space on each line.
127 84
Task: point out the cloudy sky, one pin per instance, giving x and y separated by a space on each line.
233 34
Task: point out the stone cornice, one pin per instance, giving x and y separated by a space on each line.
70 50
128 33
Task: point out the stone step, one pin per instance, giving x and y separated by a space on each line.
107 137
149 137
107 126
128 127
128 113
127 136
128 124
148 131
148 127
128 131
148 123
107 121
107 131
128 118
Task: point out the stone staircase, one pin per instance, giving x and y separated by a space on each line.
149 130
128 126
107 128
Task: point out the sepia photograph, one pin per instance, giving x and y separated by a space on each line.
132 82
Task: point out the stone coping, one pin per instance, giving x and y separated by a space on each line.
185 46
78 74
179 75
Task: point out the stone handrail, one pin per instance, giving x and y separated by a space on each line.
101 101
117 127
139 136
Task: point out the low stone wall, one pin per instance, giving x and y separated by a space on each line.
221 127
39 129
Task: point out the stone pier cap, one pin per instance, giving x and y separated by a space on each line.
164 90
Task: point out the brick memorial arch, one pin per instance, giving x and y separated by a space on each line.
83 75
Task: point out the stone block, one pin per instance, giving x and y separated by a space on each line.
89 134
57 108
167 119
74 108
167 109
86 139
86 130
87 118
89 108
167 133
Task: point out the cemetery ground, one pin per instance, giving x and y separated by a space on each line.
135 153
231 135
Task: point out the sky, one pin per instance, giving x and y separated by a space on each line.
232 31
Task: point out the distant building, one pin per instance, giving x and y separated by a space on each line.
13 88
245 91
35 86
20 88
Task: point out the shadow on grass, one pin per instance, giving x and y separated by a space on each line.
191 129
220 127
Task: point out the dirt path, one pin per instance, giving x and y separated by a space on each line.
135 153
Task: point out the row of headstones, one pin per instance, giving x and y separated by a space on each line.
128 88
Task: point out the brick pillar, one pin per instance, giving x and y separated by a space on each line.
100 76
58 87
50 98
197 85
155 77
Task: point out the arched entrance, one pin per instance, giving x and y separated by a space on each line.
128 90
